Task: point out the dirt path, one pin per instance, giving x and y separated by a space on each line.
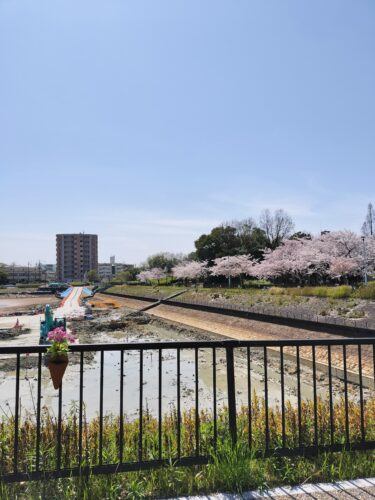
245 329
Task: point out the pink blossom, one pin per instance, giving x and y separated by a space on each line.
190 270
152 274
61 335
232 266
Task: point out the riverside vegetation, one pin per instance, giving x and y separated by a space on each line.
336 301
231 468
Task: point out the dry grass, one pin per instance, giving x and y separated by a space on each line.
231 468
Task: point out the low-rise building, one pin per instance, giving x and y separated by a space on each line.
30 274
109 270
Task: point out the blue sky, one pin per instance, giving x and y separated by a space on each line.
149 122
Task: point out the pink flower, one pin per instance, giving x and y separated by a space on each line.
61 335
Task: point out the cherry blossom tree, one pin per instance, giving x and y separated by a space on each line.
144 276
285 261
232 266
190 270
343 267
155 273
335 255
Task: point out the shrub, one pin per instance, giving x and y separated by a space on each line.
337 292
367 292
28 285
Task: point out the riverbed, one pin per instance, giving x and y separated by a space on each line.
153 330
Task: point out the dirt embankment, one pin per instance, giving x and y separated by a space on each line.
244 329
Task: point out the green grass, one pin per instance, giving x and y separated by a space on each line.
29 285
145 290
19 289
337 292
366 292
329 292
231 469
256 283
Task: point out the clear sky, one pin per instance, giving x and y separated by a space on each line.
149 122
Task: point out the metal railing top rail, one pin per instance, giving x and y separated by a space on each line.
191 344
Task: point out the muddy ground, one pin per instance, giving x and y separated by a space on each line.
244 329
23 304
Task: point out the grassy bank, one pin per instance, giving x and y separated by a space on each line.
146 290
330 292
337 292
231 469
339 302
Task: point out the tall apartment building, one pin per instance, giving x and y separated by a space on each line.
76 254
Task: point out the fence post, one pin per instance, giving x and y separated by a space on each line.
231 395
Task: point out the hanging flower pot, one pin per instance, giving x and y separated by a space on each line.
57 354
57 369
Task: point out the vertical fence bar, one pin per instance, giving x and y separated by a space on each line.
299 399
39 397
249 408
196 403
59 428
231 394
282 382
140 446
178 403
347 439
80 409
266 397
363 435
160 423
316 439
101 408
16 414
121 439
331 416
214 394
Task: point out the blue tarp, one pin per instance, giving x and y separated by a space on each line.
65 293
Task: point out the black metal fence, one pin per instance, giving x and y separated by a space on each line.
298 397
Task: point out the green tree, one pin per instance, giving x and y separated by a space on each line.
221 241
92 276
164 260
128 275
252 239
3 276
300 235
